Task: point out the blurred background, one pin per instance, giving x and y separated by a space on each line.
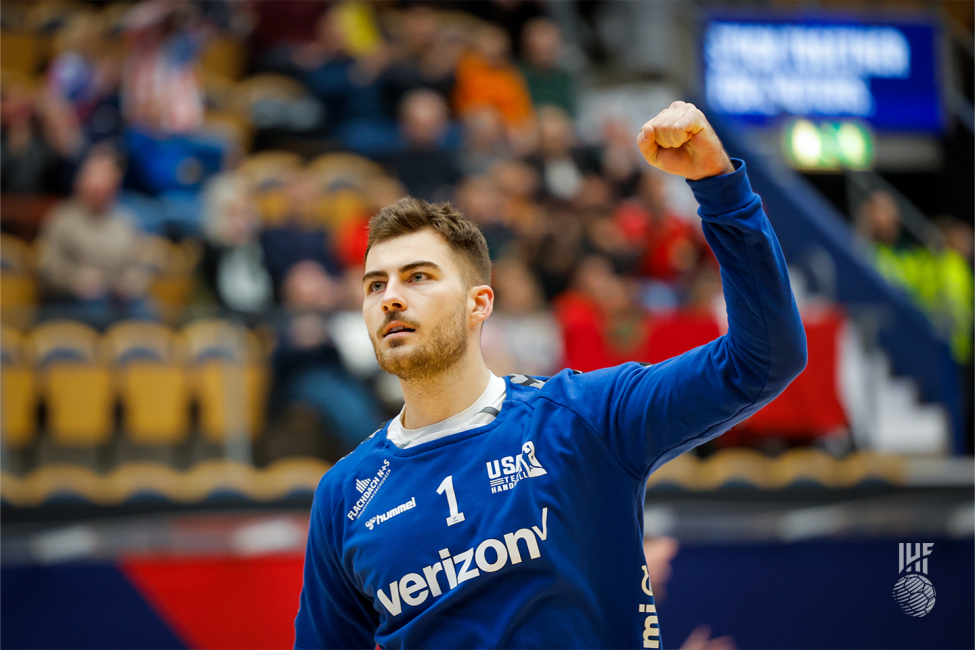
185 192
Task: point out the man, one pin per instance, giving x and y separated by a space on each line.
508 513
90 250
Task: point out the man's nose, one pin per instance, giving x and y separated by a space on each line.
393 298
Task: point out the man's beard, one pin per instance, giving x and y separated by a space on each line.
446 345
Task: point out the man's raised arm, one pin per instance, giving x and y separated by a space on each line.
649 415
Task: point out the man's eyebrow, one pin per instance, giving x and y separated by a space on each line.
403 269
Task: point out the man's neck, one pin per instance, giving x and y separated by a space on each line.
435 399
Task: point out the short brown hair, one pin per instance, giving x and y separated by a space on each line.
409 215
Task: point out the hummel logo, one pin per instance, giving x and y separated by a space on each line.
361 485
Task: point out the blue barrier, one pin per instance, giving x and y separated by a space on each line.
808 226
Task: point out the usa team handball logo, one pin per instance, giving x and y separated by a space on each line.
914 592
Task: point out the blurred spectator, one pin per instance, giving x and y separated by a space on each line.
77 75
299 238
423 54
233 263
521 335
427 167
485 141
602 323
307 366
40 142
561 161
939 280
280 23
161 88
512 16
671 247
347 87
487 77
548 82
89 251
480 200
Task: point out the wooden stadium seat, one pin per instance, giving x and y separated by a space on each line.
18 282
152 382
340 169
175 278
224 57
20 52
60 481
50 16
210 477
132 481
229 377
14 15
680 473
76 383
735 467
287 476
16 255
864 467
18 299
18 391
264 87
805 466
340 206
13 490
270 168
65 340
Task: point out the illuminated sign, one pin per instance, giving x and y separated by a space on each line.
828 145
882 74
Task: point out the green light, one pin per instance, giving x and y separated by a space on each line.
828 146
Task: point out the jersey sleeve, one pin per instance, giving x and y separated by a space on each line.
331 613
647 415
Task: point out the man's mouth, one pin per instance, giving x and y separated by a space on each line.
397 329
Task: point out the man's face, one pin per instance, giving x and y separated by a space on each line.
416 305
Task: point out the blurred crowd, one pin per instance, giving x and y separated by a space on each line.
937 275
251 142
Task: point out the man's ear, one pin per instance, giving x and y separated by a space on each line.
481 298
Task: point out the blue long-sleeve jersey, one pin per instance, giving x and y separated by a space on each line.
527 532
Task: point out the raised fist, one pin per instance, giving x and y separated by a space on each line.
680 141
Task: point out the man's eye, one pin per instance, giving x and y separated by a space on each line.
417 277
375 286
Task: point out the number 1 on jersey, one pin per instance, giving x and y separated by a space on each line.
448 487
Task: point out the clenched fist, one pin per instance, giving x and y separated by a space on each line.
680 141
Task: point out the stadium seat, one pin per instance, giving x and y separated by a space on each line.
734 468
142 480
218 478
20 51
77 385
152 382
865 467
13 489
18 390
174 281
288 476
265 88
269 168
16 255
804 467
224 57
335 170
18 283
680 473
229 377
59 481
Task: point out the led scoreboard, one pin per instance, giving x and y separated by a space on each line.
883 73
